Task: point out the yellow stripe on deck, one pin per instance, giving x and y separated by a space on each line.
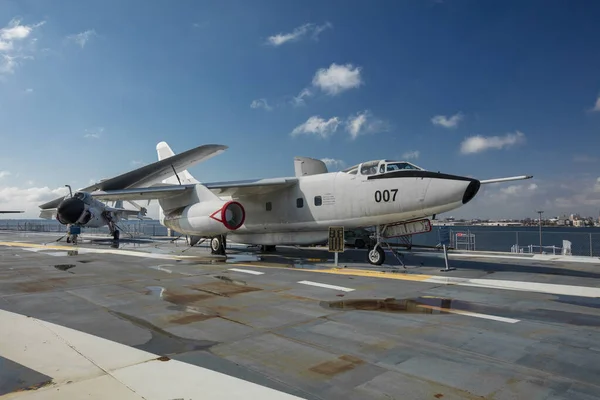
349 271
36 245
121 252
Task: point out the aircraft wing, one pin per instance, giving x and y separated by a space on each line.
49 213
151 173
250 187
512 178
147 193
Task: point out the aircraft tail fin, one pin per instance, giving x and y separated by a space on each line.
163 151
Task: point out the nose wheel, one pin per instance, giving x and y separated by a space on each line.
376 255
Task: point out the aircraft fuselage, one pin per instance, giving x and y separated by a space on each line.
301 214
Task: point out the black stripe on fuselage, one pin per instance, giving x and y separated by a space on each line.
411 173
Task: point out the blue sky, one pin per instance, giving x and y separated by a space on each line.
486 89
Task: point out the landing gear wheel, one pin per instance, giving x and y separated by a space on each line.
116 235
217 245
376 256
359 244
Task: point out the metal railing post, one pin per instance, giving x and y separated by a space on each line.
591 248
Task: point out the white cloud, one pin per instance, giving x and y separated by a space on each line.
410 155
16 44
82 38
316 125
261 103
452 122
337 78
476 144
137 163
363 123
299 100
597 105
597 186
333 163
29 90
4 174
582 158
298 33
519 190
28 199
94 133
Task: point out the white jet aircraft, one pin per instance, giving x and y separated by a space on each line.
11 212
295 210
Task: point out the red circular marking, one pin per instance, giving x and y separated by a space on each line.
224 220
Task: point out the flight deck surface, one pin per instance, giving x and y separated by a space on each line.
291 322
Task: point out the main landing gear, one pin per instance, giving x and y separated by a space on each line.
114 230
377 254
218 245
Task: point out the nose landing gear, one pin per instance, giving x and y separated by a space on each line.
376 254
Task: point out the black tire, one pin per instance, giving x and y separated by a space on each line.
216 245
359 244
116 235
376 256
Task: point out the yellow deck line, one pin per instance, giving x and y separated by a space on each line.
102 251
348 271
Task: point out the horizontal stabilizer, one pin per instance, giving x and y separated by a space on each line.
151 173
150 193
512 178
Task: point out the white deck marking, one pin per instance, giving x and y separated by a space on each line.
324 285
246 271
102 369
474 314
538 287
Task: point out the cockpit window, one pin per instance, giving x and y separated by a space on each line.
400 166
369 168
85 197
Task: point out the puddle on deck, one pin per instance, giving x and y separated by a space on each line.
64 267
163 342
419 305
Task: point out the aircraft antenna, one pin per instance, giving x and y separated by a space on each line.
176 174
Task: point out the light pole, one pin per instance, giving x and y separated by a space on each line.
540 223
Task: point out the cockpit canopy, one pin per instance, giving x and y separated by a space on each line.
85 197
380 166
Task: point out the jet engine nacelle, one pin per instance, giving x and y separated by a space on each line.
76 211
209 218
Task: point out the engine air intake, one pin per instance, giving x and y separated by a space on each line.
233 215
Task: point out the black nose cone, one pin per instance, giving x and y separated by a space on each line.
471 191
69 210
